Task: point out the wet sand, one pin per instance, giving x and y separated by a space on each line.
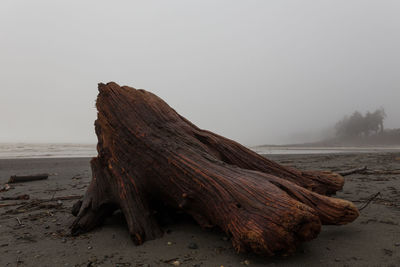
38 235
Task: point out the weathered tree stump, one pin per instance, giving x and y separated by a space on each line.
150 156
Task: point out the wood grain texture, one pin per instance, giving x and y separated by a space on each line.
150 156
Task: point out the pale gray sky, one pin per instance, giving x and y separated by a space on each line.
254 71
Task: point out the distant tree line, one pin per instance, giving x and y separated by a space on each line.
361 125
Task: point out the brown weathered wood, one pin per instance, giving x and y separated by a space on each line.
20 197
11 204
34 202
150 157
27 178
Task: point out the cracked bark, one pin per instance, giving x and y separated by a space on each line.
150 156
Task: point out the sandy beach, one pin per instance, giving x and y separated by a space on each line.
38 235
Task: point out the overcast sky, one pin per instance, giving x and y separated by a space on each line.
254 71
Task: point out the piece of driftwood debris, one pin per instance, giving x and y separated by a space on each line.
366 171
2 205
150 158
27 178
369 200
39 201
352 171
381 172
20 197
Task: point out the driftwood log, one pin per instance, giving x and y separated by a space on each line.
19 197
27 178
352 171
150 157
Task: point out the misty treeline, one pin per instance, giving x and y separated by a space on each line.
361 125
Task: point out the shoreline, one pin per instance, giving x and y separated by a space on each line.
27 151
272 150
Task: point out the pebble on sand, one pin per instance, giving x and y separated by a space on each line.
176 263
193 246
246 262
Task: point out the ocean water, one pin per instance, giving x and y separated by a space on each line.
24 150
266 150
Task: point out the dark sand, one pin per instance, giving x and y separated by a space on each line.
42 238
